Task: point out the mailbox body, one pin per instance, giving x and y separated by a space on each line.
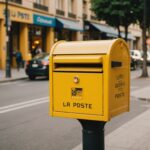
89 80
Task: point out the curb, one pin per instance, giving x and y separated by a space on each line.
12 80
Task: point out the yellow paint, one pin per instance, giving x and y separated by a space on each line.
78 59
17 14
77 97
1 11
49 39
24 41
2 45
84 85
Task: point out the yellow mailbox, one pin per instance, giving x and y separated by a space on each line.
89 79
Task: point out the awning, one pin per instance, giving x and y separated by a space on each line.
129 36
68 24
110 31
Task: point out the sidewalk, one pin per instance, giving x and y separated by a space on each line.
134 134
15 75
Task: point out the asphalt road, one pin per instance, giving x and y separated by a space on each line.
25 123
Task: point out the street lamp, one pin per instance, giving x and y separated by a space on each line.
7 24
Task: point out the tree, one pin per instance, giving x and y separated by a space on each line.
142 14
123 13
115 13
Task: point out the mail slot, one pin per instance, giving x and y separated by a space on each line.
89 79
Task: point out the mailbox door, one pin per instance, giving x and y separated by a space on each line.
79 93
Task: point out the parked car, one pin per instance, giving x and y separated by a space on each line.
148 57
38 66
136 59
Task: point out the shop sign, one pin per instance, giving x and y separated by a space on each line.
44 20
17 14
20 15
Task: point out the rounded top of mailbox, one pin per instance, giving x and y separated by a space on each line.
86 47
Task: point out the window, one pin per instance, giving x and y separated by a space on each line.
60 4
71 6
41 4
60 7
71 9
85 6
93 16
85 9
16 1
39 1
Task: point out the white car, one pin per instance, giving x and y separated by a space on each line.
148 56
136 59
136 55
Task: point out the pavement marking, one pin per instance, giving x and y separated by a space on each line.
21 105
8 83
25 84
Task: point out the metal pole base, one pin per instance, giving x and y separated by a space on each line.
93 135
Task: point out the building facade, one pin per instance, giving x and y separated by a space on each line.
42 22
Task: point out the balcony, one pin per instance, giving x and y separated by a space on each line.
71 15
93 17
39 6
60 12
16 1
84 16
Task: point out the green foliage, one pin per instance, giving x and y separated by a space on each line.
138 11
114 12
122 12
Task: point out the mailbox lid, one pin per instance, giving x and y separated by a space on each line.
83 47
83 98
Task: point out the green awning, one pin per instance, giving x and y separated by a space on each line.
68 24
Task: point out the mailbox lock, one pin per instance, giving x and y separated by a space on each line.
76 79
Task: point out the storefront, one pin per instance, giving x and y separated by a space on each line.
41 33
18 36
95 31
67 29
27 30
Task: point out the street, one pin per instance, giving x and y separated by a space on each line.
25 123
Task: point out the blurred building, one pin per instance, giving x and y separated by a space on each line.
42 22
